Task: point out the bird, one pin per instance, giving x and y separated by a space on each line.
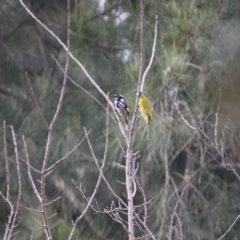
145 110
121 107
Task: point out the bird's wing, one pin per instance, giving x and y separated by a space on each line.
147 107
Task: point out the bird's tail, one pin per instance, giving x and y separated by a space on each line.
147 120
126 121
126 117
148 130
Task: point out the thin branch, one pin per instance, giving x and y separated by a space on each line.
67 155
129 176
7 235
54 200
36 101
182 148
103 177
178 111
175 209
6 159
141 53
100 174
82 88
180 226
29 172
235 220
145 226
66 49
14 209
216 128
32 210
206 137
193 65
144 200
54 119
33 168
152 56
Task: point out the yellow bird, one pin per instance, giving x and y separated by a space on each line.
145 109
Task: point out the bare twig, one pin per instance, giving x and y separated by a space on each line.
129 177
66 49
235 220
100 174
216 128
152 55
36 101
177 108
103 177
19 179
31 209
145 226
49 138
141 52
6 159
225 159
144 201
180 226
193 65
82 88
14 208
175 211
54 200
29 172
30 166
68 154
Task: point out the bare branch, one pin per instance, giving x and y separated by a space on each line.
144 200
103 177
141 52
193 65
18 175
180 114
36 101
29 172
152 56
67 155
216 128
67 50
145 226
83 89
54 119
129 177
180 226
31 209
6 159
33 168
175 209
235 220
54 200
225 159
100 174
12 218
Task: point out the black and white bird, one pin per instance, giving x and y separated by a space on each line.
121 107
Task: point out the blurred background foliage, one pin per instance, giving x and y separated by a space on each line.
196 64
